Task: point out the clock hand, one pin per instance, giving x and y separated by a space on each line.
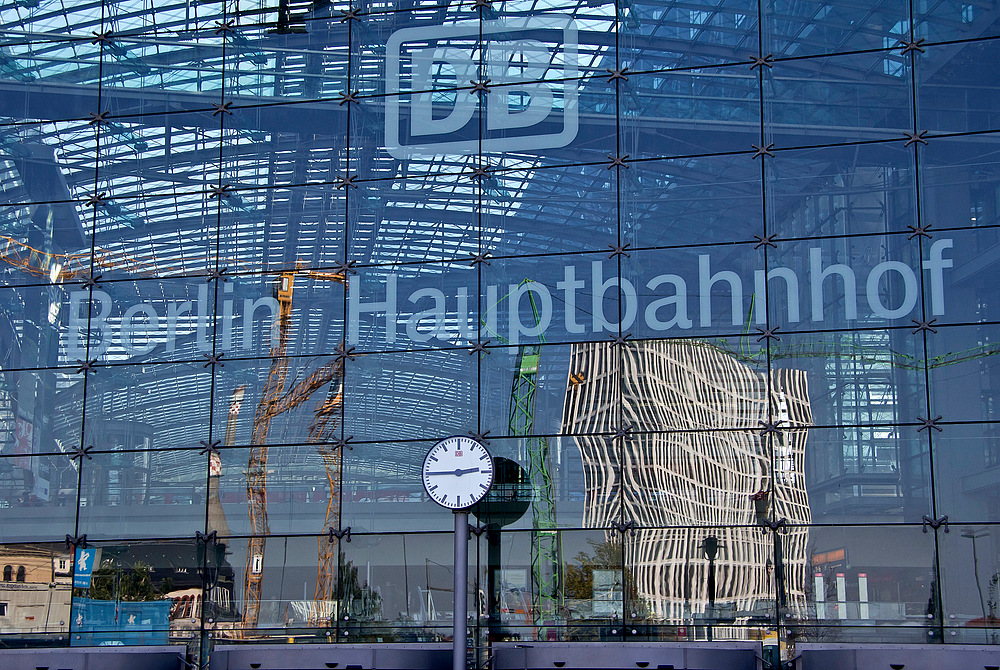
455 473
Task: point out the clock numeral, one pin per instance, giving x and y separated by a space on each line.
484 457
432 458
459 501
444 498
482 486
432 488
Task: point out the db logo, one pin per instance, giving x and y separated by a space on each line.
531 65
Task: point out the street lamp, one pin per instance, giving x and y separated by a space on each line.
974 535
710 547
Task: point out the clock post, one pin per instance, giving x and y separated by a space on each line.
461 631
458 473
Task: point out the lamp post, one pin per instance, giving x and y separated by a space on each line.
974 535
710 547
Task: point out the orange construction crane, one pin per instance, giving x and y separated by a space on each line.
257 466
327 413
272 403
60 267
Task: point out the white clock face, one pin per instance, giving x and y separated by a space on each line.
457 472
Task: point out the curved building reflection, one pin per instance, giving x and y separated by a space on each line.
709 460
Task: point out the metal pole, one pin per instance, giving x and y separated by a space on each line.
461 588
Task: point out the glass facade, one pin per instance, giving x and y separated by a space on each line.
713 280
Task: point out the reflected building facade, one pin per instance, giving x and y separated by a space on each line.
708 474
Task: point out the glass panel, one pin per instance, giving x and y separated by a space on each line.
557 209
958 98
958 273
860 474
133 401
124 17
33 327
137 61
954 20
842 190
281 229
524 390
704 32
286 400
133 239
413 306
382 490
543 482
961 187
669 113
129 491
402 396
970 573
428 218
371 56
963 373
42 230
42 45
838 99
707 199
297 313
283 580
148 321
141 593
293 494
851 282
967 472
270 62
579 125
699 584
398 587
373 586
807 28
854 378
41 410
874 584
35 593
38 496
684 385
686 292
528 603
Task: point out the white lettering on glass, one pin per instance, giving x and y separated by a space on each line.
430 109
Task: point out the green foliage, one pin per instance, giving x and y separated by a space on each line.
579 579
357 598
134 584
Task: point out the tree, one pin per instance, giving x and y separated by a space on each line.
607 555
580 578
133 584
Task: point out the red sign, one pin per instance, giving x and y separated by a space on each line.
22 443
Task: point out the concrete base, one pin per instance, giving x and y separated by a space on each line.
627 656
331 657
94 658
817 656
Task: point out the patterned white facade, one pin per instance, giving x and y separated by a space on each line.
698 474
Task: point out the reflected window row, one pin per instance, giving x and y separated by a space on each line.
898 584
266 38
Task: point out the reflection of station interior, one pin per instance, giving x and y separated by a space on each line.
777 486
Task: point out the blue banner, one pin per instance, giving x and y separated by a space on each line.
83 567
109 622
